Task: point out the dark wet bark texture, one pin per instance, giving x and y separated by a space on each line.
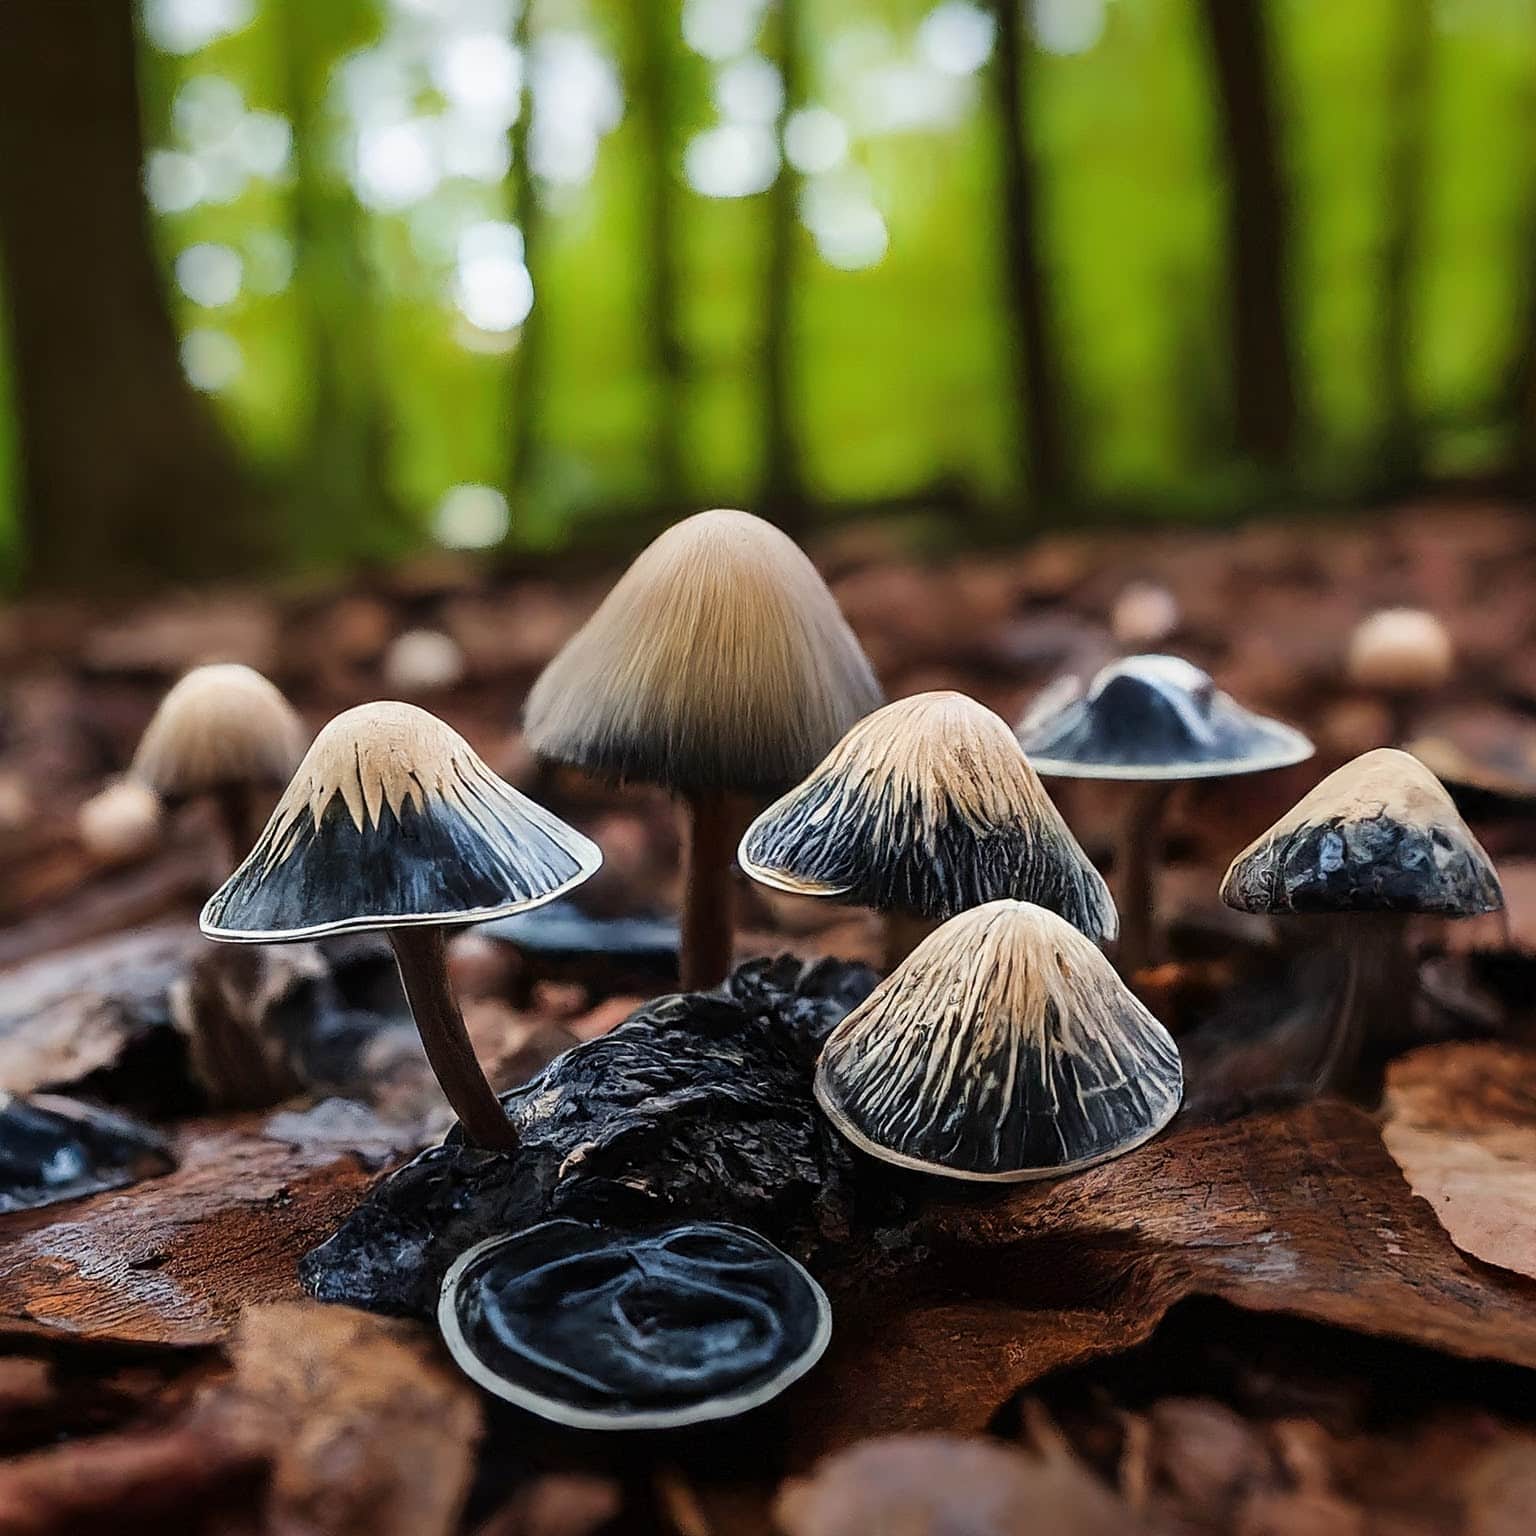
127 478
699 1106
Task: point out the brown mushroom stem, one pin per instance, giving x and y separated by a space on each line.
903 933
715 825
1378 990
421 954
1140 849
1402 713
242 811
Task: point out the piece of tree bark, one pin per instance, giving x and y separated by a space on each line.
1299 1211
1461 1123
1258 231
127 478
175 1260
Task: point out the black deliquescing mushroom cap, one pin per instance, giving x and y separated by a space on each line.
928 807
1004 1048
718 662
600 1329
53 1149
1153 717
392 819
1378 835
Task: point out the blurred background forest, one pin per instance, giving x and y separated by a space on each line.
297 284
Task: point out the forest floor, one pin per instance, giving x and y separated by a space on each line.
1280 1317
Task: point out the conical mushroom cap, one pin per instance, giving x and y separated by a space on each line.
219 726
1003 1048
1378 835
392 819
1153 717
928 807
718 662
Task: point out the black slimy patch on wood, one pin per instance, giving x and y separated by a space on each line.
603 1329
54 1149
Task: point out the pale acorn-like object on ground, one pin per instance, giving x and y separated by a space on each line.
392 822
926 808
1005 1048
719 666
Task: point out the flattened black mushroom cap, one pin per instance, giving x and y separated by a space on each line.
1378 835
928 807
719 662
599 1329
1004 1048
392 819
1154 717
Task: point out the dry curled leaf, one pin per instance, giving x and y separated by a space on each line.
1461 1124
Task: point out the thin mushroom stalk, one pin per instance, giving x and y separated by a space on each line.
421 955
715 823
1378 984
242 813
1141 848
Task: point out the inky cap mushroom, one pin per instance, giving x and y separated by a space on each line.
718 666
392 819
928 807
1153 720
600 1329
226 732
1005 1048
1379 840
393 822
1155 717
1379 834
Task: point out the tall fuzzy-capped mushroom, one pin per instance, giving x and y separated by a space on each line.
925 809
1004 1048
392 822
223 731
1374 843
719 666
1402 654
1152 721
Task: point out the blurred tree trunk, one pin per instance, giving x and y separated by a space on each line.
1408 125
126 475
342 479
1046 466
527 359
784 482
1263 367
660 27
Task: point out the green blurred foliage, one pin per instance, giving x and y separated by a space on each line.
362 393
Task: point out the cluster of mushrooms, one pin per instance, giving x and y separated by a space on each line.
1003 1045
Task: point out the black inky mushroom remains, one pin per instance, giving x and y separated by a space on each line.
598 1329
1154 721
1378 836
926 808
719 666
1005 1048
393 822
